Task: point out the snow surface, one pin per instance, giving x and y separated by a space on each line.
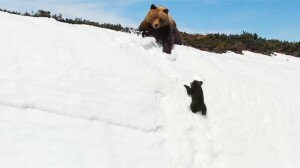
76 96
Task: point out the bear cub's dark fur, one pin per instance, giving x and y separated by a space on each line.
196 92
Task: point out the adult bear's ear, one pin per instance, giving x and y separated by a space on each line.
200 82
166 11
153 6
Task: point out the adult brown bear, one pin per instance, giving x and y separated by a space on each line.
160 25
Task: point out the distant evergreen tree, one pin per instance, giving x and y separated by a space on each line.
57 17
26 14
42 13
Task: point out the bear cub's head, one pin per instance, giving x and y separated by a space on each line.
196 83
158 17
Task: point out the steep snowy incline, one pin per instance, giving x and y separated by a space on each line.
83 97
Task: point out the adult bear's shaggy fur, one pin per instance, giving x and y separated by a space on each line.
160 25
196 92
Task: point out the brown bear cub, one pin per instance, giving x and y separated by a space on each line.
196 92
160 25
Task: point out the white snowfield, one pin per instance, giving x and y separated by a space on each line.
76 96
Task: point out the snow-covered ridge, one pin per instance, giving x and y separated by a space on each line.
80 96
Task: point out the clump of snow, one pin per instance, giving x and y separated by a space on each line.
78 96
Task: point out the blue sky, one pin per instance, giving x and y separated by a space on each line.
279 19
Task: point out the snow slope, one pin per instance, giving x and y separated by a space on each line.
75 96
